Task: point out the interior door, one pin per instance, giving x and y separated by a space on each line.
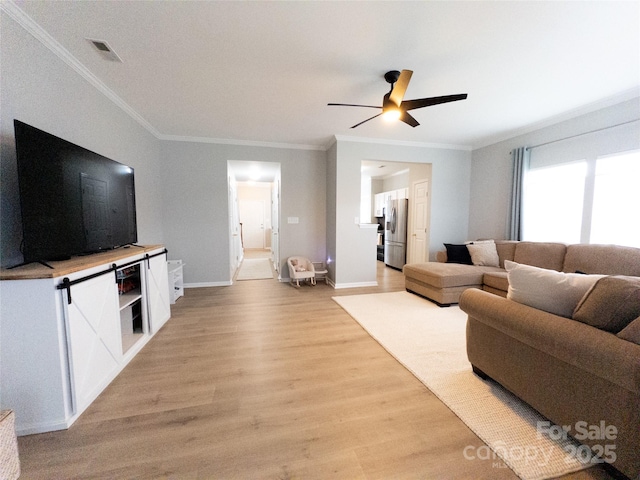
275 225
419 251
252 219
235 250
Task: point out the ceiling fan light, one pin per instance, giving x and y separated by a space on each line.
391 114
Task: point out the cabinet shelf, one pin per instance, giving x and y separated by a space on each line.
132 311
175 277
128 298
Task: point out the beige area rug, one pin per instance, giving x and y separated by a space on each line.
255 269
430 342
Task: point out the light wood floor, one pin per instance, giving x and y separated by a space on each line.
264 381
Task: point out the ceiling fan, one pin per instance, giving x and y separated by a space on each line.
393 104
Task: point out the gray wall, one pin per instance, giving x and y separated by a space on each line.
40 89
196 211
491 166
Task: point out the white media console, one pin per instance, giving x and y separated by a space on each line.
66 332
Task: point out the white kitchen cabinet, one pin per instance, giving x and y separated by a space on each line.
379 202
388 196
66 333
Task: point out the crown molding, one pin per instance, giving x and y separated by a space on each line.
401 143
242 143
26 22
633 93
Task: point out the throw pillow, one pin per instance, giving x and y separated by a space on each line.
484 253
611 304
458 254
631 332
548 290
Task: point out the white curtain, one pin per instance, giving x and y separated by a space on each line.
520 160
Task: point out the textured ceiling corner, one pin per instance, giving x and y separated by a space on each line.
26 22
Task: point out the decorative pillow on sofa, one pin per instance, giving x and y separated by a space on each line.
548 290
484 253
631 332
458 254
611 304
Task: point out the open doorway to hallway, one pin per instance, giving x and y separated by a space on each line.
254 212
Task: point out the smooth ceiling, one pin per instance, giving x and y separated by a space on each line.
265 71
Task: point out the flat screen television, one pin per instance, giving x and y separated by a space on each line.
73 201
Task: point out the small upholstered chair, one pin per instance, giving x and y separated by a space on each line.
301 268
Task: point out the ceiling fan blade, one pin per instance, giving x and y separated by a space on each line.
400 87
427 102
351 105
408 119
364 121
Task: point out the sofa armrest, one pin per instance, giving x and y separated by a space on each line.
600 353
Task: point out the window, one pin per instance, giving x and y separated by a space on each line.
552 203
589 201
616 200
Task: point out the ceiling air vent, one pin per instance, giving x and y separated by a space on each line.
105 50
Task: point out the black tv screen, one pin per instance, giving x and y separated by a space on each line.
73 201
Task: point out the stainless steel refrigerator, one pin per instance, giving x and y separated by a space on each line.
395 233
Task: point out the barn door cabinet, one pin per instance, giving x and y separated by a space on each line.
66 333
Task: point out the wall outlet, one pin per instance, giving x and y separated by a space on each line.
292 219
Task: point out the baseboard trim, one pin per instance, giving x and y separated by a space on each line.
208 284
338 286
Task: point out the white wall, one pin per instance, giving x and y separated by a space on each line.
491 166
396 182
195 217
40 89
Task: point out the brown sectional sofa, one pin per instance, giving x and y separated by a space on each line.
443 283
573 373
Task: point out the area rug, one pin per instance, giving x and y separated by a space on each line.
430 342
255 269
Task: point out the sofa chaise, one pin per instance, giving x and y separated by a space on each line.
444 281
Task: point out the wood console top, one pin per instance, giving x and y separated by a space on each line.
33 271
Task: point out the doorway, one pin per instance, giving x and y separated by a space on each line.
254 193
383 179
419 239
